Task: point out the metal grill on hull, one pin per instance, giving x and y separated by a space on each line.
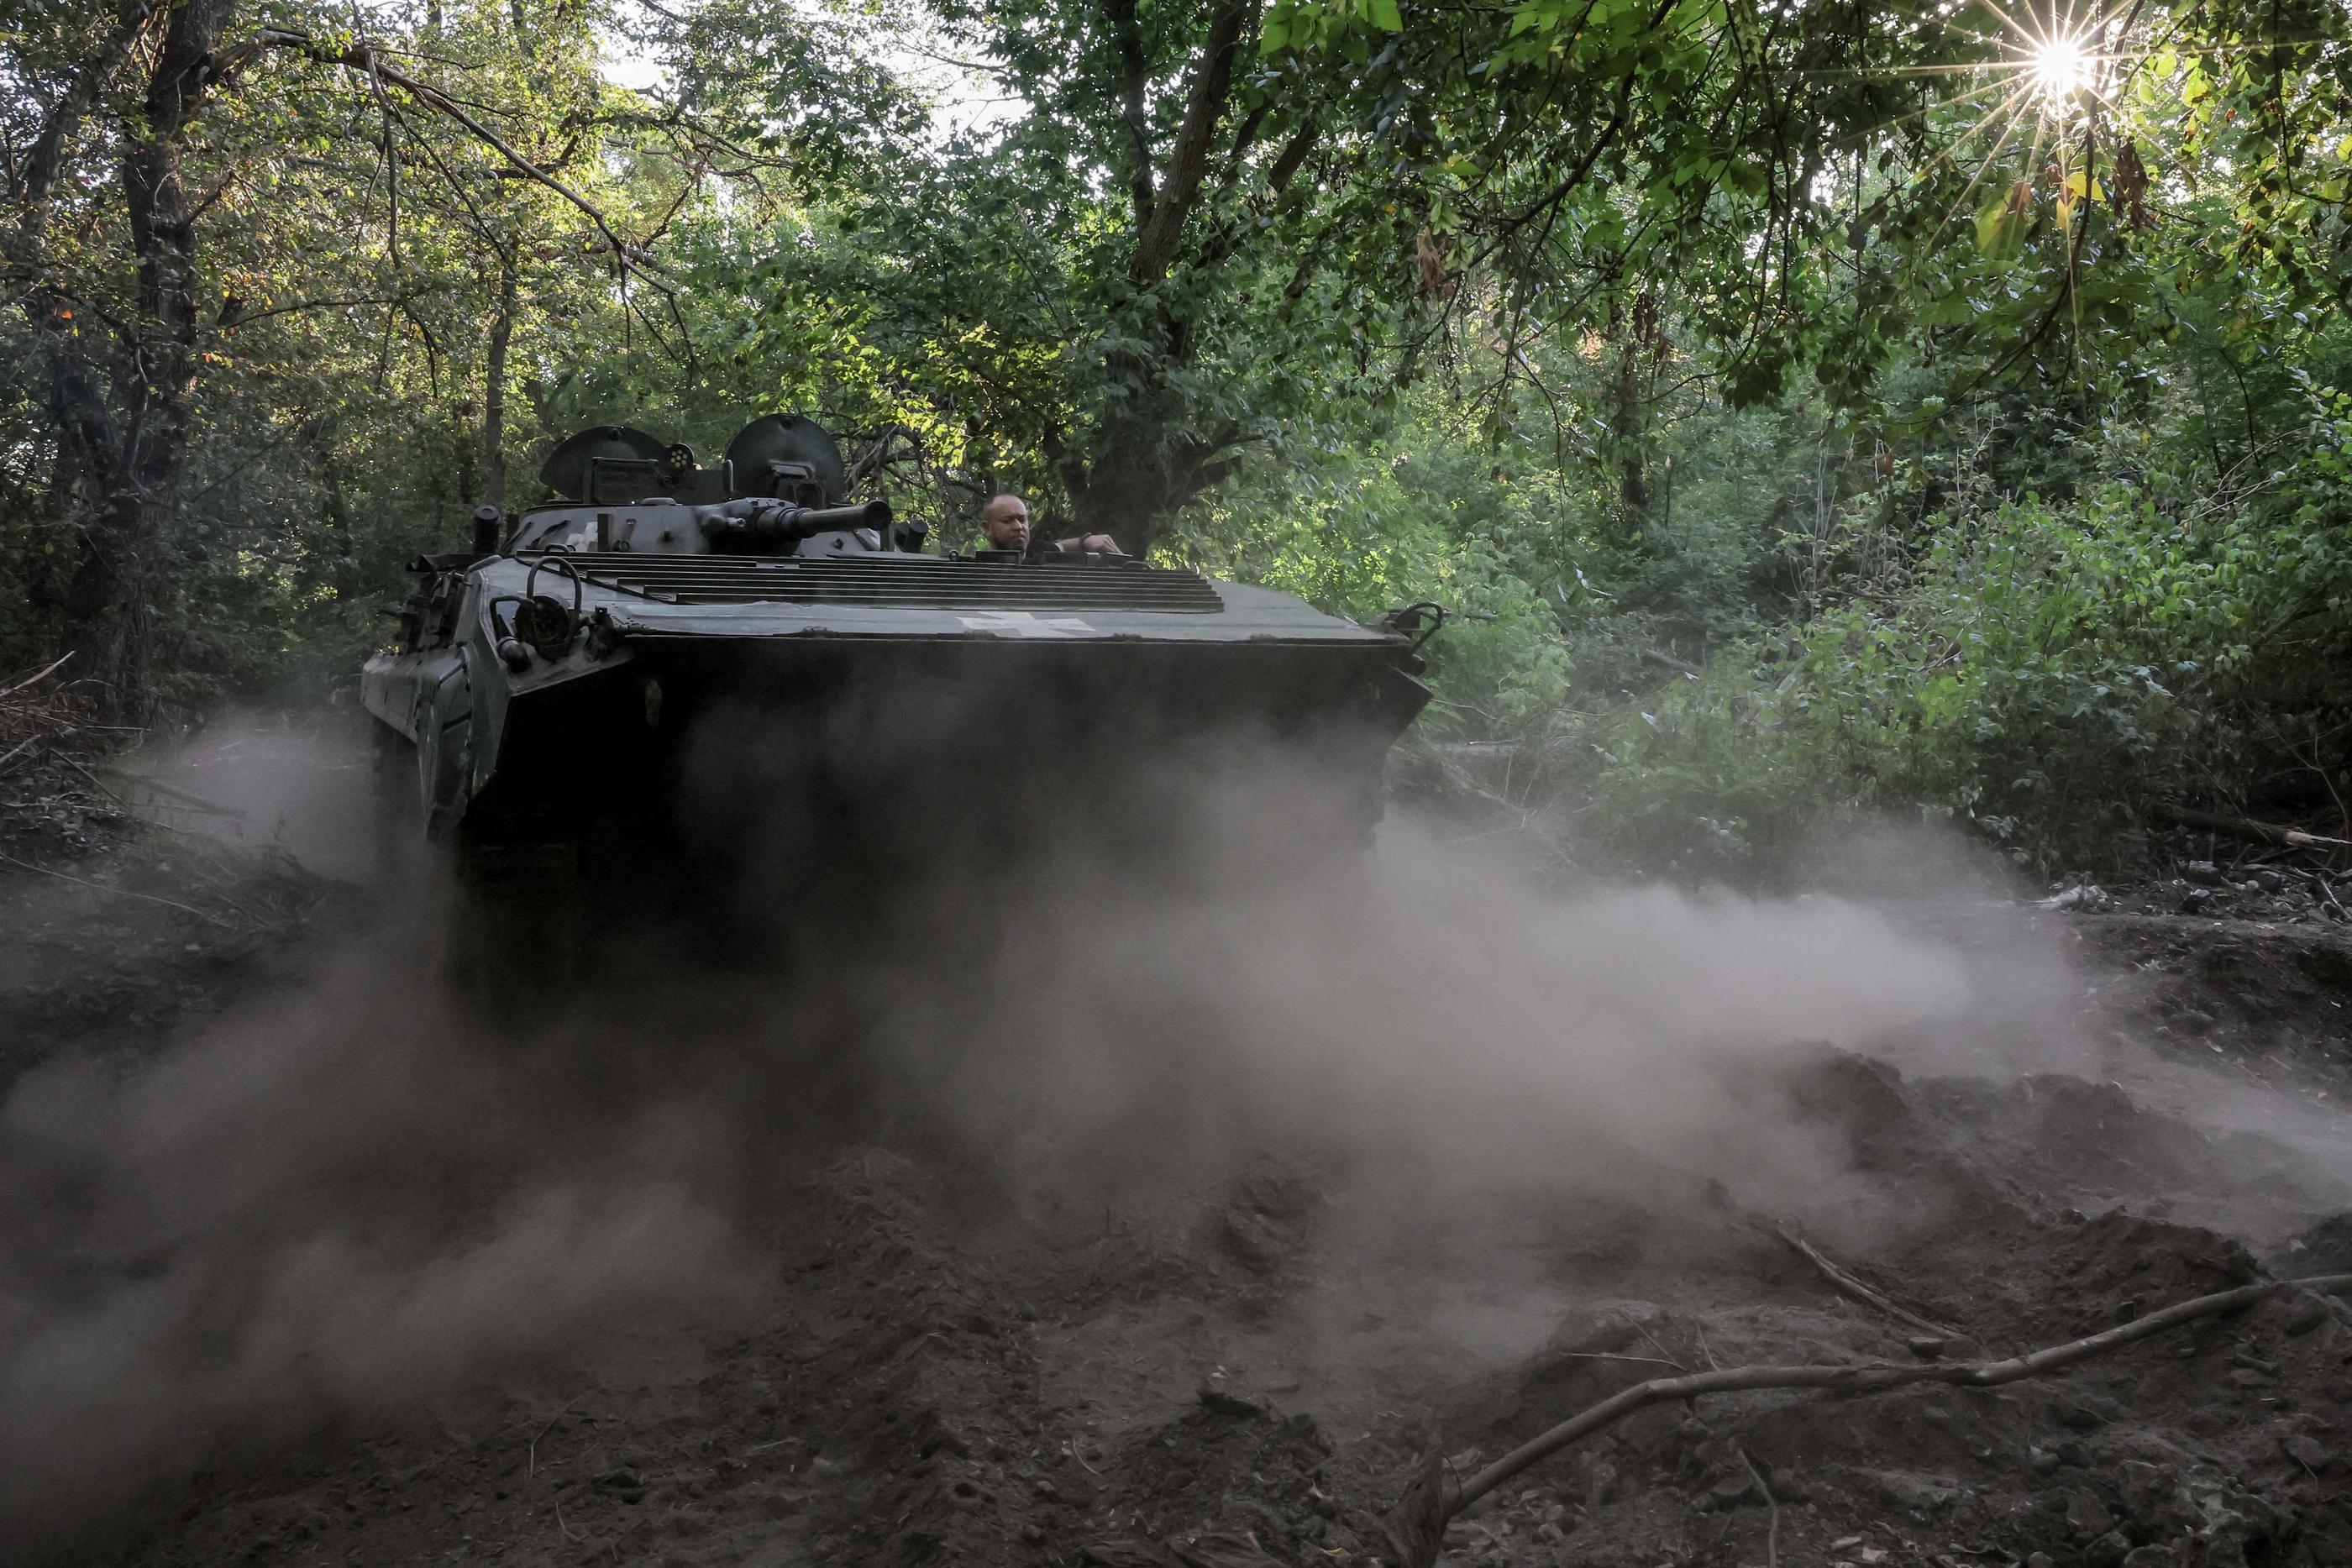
897 582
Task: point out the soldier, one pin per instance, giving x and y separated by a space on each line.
1005 523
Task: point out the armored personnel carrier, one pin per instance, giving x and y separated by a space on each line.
666 648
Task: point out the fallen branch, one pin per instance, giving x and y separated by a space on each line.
2247 828
170 792
1415 1528
37 680
543 1431
1847 1284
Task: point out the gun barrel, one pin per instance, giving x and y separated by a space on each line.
760 525
806 520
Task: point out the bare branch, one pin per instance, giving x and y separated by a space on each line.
391 165
38 172
1839 1278
364 58
474 214
1293 154
983 67
1416 1527
247 319
1126 37
1212 80
1567 185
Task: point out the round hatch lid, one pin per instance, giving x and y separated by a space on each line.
793 441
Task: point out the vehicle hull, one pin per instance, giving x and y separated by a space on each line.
678 691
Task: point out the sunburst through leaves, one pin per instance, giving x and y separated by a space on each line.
2060 69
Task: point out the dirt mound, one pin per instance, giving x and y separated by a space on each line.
2081 1143
885 1413
1227 1468
2324 1248
2264 993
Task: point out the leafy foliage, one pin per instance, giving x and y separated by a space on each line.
1802 411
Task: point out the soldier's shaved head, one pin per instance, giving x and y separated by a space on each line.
1006 520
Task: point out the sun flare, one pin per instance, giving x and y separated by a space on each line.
2061 68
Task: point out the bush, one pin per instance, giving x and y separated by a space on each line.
2045 675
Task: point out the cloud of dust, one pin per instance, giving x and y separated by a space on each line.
295 781
360 1196
1437 1018
347 1202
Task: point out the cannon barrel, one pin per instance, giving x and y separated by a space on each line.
752 524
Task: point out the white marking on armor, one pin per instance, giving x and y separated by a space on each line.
1022 623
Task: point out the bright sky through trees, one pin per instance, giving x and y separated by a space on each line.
966 93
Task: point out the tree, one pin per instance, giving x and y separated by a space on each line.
1213 228
1114 297
189 172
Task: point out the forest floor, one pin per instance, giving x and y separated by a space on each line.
922 1353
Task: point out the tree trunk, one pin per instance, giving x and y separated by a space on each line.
112 604
46 571
1212 75
494 390
1131 496
1121 500
1632 482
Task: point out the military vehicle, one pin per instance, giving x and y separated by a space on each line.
662 636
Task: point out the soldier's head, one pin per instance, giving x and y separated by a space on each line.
1005 522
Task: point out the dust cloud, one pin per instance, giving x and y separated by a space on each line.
365 1198
347 1202
298 782
1438 1016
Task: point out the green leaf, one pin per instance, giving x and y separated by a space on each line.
2001 230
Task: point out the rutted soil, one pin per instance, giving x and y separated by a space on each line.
949 1358
929 1384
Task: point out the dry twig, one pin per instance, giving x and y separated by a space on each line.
31 681
170 792
1861 1292
2247 828
121 892
1637 1360
532 1463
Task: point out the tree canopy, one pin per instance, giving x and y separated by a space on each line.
1683 338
